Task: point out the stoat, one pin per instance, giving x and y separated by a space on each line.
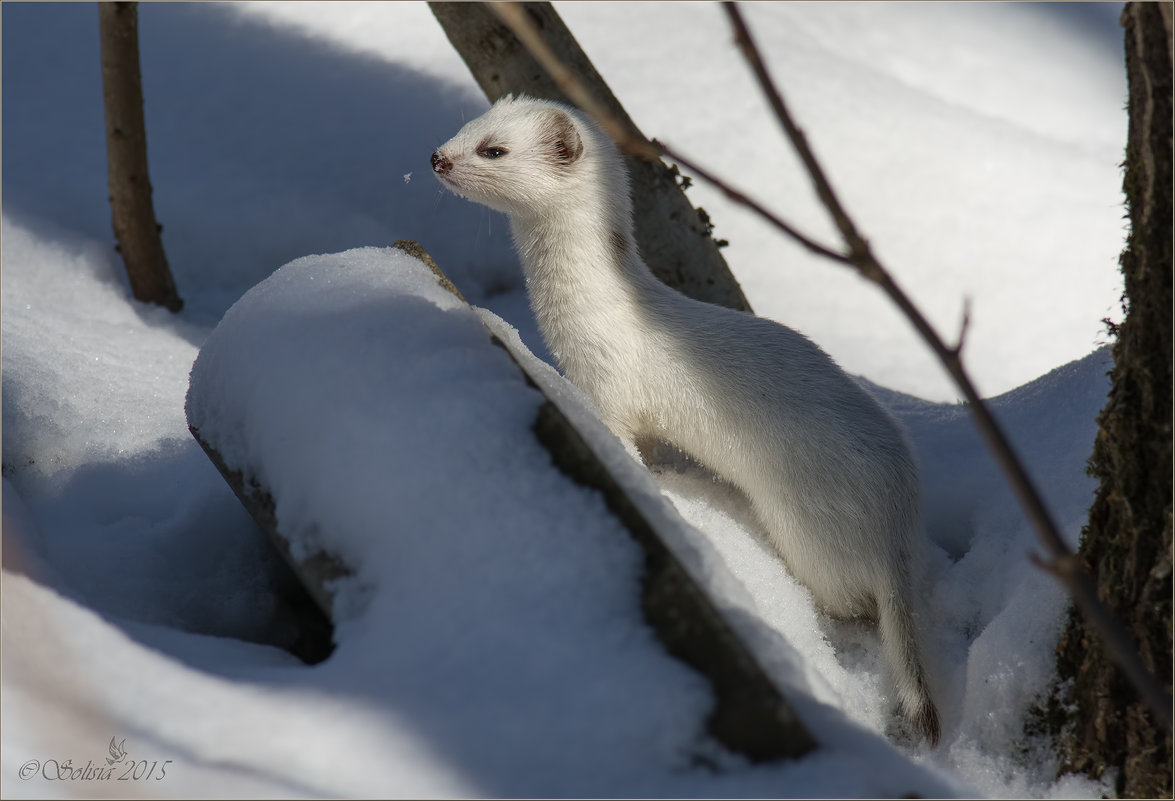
827 470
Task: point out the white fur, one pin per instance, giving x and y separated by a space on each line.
827 470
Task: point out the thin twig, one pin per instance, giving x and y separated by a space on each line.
857 244
964 325
741 198
1065 563
516 18
628 140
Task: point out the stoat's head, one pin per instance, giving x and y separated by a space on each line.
529 157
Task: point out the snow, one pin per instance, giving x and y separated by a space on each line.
493 643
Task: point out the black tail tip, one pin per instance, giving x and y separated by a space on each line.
926 722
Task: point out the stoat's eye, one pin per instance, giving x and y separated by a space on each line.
490 152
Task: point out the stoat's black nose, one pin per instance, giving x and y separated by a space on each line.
440 164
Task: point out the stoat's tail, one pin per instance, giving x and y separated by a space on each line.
900 640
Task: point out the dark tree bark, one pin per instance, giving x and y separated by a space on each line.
1127 543
133 215
672 236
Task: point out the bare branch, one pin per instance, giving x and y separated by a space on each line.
742 37
963 326
627 138
1063 564
860 256
631 142
675 238
742 199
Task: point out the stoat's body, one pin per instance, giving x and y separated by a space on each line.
828 471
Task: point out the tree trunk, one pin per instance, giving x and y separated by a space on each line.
673 237
126 152
1127 543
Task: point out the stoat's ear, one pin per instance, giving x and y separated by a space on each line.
566 144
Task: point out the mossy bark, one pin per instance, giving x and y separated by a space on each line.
1127 542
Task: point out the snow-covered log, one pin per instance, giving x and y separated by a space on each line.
298 454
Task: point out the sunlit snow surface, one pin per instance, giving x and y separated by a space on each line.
977 144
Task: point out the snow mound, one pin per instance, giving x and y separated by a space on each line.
485 580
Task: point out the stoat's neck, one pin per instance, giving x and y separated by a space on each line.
587 285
